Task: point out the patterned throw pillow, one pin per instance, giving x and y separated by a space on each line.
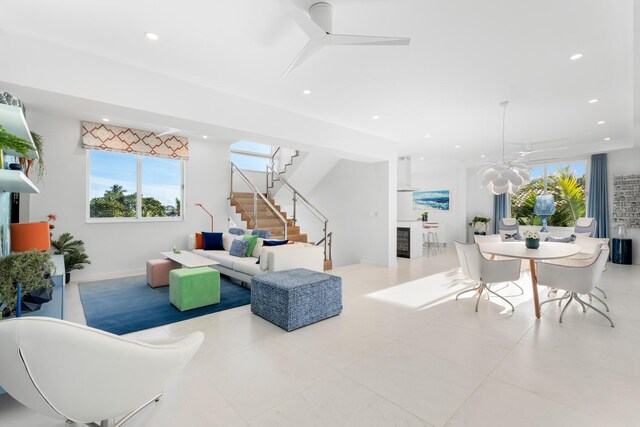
236 231
239 248
264 234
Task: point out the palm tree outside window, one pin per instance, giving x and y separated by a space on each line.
565 182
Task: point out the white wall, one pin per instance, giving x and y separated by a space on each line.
122 248
355 197
624 162
259 179
479 201
451 222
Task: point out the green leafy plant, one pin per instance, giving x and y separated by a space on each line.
479 221
75 256
568 192
9 141
37 141
29 269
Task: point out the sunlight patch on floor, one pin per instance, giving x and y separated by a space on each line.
424 292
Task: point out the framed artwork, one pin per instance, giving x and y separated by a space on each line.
432 200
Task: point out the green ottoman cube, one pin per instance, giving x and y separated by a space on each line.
191 288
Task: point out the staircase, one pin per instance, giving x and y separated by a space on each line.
260 212
267 220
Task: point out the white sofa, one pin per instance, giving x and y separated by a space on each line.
272 258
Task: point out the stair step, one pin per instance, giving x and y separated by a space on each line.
292 229
293 237
248 206
265 223
246 197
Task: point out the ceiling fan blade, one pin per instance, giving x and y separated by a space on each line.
303 20
526 153
310 49
168 132
347 39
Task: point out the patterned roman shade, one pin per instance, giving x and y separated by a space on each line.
99 136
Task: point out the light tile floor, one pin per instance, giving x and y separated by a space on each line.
405 353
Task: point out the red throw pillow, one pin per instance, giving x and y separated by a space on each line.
199 241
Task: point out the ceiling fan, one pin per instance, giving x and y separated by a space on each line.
169 131
319 25
529 148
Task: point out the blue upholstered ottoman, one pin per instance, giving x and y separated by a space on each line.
295 298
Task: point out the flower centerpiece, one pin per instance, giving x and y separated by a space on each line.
531 239
425 216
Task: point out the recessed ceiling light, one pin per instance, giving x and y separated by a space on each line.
601 122
427 136
205 136
376 117
593 100
576 56
457 146
483 156
151 36
105 120
607 139
306 92
421 158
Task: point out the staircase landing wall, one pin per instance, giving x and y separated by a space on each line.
355 197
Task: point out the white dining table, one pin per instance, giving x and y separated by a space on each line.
546 251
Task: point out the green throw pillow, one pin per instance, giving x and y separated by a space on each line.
252 243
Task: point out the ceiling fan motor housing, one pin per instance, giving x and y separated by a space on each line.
322 14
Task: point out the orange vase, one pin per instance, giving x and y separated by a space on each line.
29 163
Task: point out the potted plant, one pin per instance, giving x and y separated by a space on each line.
9 141
28 269
37 141
531 239
75 256
425 216
479 223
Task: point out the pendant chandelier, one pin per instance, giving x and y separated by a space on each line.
506 176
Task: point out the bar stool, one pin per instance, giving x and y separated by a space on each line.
430 238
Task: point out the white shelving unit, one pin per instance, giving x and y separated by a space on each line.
13 181
13 120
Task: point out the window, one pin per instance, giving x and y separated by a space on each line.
134 186
251 156
566 182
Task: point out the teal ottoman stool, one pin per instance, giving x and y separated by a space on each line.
191 288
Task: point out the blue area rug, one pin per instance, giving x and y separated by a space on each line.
127 305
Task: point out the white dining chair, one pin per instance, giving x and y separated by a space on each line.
80 374
484 271
509 229
577 280
589 247
482 240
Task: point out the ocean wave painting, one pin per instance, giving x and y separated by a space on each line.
431 200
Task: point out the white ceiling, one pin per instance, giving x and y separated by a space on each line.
464 58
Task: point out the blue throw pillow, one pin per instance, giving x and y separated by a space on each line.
274 242
237 231
514 236
263 234
212 241
239 248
